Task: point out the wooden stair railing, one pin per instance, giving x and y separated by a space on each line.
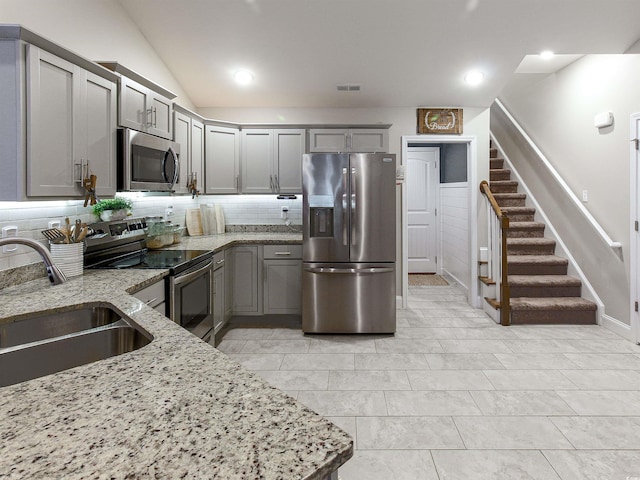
503 221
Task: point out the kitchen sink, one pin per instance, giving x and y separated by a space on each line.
94 335
45 325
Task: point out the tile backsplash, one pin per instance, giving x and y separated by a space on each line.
32 217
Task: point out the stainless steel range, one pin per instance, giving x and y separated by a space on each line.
189 286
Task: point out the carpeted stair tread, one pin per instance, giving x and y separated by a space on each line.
530 246
510 199
537 265
525 225
544 286
525 229
493 152
499 174
539 280
496 163
503 186
518 210
552 303
498 183
519 214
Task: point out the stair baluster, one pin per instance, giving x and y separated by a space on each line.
498 267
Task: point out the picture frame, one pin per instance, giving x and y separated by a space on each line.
440 120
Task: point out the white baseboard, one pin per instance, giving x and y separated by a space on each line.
399 302
616 326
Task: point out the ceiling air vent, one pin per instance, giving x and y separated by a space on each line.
348 88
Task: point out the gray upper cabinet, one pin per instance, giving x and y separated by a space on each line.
272 160
189 133
290 145
222 159
145 110
363 140
197 152
182 135
71 127
257 161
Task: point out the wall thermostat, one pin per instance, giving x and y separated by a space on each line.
604 119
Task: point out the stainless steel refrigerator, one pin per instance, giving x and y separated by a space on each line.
349 243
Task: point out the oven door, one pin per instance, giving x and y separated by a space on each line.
148 162
191 299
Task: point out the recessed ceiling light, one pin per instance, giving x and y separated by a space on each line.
474 77
243 77
546 55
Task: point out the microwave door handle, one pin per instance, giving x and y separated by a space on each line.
176 164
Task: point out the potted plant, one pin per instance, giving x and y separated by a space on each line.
112 208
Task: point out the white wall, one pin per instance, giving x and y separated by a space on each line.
97 30
454 231
557 112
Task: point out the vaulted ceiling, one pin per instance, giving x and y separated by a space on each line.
401 52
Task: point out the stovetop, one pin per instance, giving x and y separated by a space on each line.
121 244
175 260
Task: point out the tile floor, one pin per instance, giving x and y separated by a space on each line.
454 396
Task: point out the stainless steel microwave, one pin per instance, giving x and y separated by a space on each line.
146 163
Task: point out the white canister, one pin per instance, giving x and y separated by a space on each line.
68 257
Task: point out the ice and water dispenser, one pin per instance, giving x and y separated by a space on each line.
321 216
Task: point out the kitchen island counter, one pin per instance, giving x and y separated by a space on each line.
176 408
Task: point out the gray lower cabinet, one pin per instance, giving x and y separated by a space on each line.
154 296
228 284
218 291
247 270
282 279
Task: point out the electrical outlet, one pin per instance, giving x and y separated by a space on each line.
9 231
284 213
585 196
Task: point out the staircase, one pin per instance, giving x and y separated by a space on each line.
541 290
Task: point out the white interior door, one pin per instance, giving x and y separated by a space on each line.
422 189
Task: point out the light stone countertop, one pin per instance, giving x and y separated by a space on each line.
176 408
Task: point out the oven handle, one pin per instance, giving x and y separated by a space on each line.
187 277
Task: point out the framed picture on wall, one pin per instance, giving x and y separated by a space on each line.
440 120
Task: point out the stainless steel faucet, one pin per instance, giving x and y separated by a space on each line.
54 273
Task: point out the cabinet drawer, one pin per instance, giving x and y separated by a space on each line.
218 260
283 251
153 295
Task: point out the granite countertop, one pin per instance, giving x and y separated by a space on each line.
176 408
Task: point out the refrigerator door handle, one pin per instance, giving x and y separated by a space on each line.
345 234
353 206
348 270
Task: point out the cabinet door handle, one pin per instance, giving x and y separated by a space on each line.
282 253
79 179
149 302
220 262
271 183
277 184
155 117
